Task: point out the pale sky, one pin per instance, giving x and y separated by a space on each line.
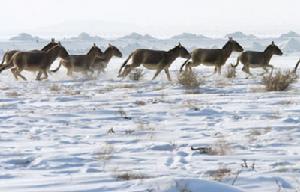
161 18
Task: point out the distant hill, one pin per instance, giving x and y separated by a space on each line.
290 34
240 35
289 42
25 37
292 45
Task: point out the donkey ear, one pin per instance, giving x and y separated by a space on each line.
59 43
109 45
273 43
52 40
230 38
179 44
94 45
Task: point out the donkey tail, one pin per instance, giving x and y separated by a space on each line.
4 58
55 70
297 65
6 66
183 65
125 62
237 62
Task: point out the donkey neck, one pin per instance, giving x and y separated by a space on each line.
52 54
227 51
107 55
91 56
268 54
172 56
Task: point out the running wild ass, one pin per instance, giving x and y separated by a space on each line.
8 55
251 59
101 62
212 57
36 61
80 63
154 60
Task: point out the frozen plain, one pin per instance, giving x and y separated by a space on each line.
108 134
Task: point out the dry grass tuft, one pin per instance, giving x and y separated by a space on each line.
55 88
105 152
189 80
182 187
280 81
140 103
136 75
131 176
220 174
219 148
12 94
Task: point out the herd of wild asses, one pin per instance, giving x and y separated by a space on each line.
96 60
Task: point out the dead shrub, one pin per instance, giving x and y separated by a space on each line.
136 75
189 80
280 81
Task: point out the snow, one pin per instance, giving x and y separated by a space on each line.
89 133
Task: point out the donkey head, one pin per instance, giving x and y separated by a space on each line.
114 50
95 51
181 51
50 45
62 53
273 49
232 45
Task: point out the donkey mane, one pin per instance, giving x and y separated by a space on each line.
268 48
173 49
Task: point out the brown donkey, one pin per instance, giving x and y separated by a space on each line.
36 61
8 55
80 63
212 57
154 60
101 62
252 59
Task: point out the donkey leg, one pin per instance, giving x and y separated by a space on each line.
45 74
219 67
157 72
38 77
246 70
215 71
18 72
168 74
69 72
13 71
188 66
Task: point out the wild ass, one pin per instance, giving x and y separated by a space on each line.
80 63
8 55
212 57
154 60
251 59
297 64
101 62
36 61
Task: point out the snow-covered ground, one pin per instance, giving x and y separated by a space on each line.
108 134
